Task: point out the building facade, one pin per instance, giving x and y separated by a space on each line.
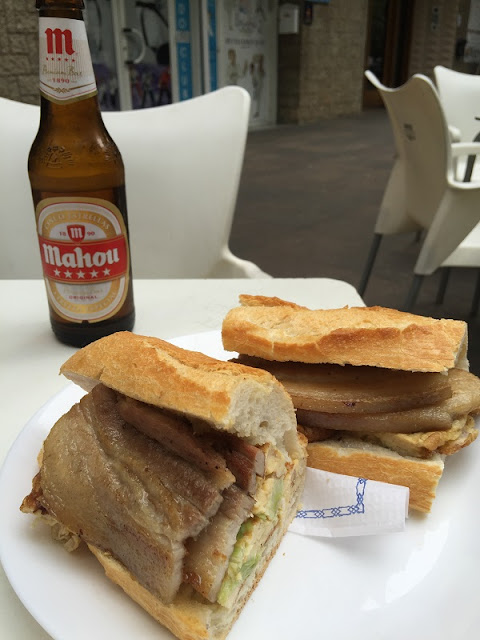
308 70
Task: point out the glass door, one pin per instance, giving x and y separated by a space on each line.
388 46
99 23
130 45
147 26
153 52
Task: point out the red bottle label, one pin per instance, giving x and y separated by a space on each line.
85 257
100 262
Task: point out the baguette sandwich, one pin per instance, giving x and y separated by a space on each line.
379 393
180 472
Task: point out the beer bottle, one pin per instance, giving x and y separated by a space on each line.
78 185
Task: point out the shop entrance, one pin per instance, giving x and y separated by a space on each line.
148 53
388 45
130 42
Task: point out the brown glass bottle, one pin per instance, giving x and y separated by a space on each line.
78 185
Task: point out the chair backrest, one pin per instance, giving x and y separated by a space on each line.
183 165
422 141
19 254
460 96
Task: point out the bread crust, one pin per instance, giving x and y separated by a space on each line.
247 300
188 617
280 331
228 396
373 336
352 457
160 374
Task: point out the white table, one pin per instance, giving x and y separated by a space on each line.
30 357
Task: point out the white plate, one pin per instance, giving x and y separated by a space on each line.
420 584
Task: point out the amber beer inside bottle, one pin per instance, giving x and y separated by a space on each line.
78 185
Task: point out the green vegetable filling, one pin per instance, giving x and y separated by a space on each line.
247 550
240 565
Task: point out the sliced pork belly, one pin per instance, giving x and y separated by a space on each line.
121 502
147 458
207 557
159 512
432 418
176 435
244 460
247 450
243 470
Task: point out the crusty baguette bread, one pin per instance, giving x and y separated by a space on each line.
241 400
371 336
188 617
354 457
115 465
281 332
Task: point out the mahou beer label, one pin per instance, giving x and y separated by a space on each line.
66 71
85 258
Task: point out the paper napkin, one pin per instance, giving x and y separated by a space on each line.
337 505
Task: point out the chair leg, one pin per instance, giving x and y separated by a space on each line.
476 297
418 235
369 265
469 168
442 287
413 293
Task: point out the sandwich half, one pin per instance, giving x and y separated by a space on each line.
180 472
379 393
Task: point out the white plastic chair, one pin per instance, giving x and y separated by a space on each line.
183 164
392 217
460 98
431 198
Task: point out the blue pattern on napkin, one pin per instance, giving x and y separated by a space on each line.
334 512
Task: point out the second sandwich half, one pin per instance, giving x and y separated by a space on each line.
379 393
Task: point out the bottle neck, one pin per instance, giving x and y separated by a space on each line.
67 78
60 5
60 8
61 12
86 110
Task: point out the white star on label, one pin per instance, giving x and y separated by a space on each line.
93 273
106 272
68 274
80 274
57 272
